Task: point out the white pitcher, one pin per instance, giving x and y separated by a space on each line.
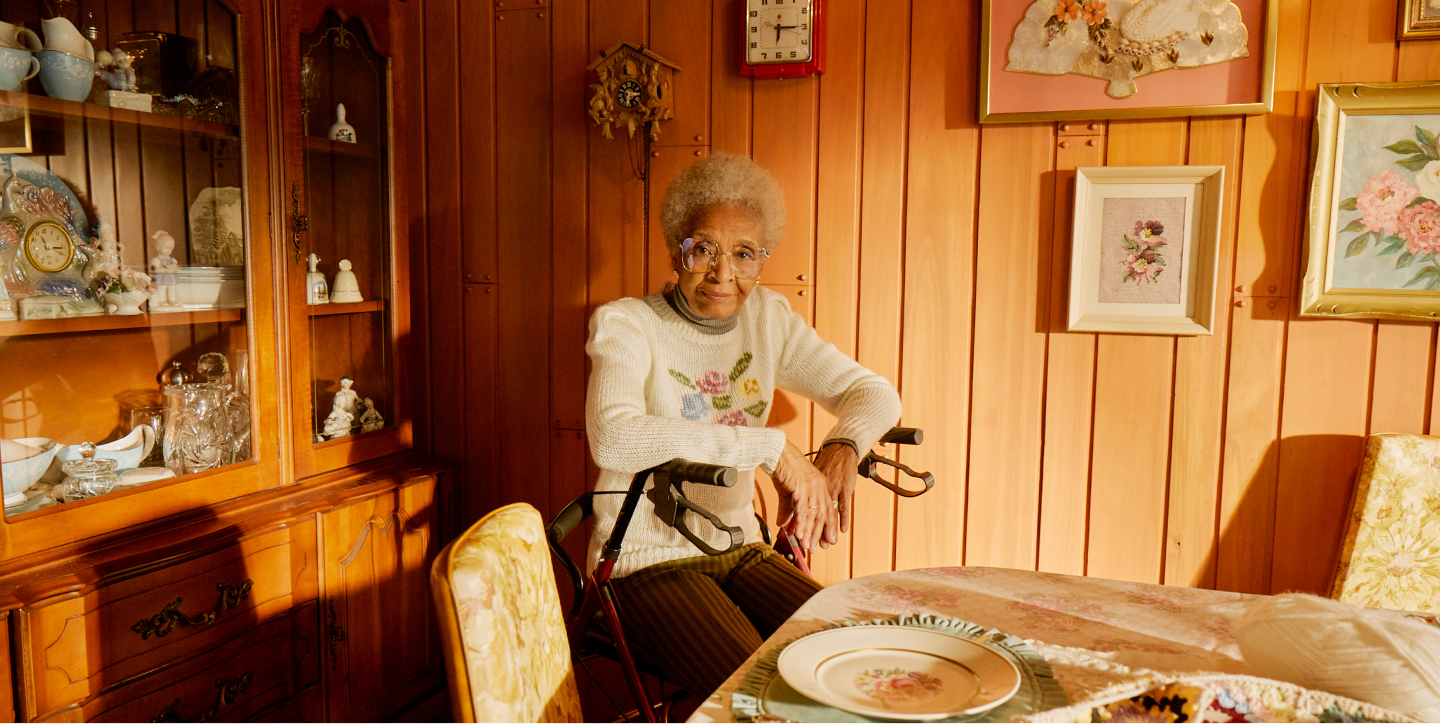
16 37
62 35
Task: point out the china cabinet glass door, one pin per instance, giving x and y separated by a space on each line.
134 266
342 256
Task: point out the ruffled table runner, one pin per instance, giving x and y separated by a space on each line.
1101 638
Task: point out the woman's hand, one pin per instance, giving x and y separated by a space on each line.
839 464
805 496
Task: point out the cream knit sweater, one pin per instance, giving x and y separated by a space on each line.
660 388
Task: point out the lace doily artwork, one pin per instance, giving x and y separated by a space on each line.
1121 40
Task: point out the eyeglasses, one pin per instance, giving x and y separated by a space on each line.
700 256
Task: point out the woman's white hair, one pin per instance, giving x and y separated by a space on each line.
723 178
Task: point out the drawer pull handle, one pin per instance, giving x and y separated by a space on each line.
169 617
230 690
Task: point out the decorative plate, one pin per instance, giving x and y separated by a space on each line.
217 231
907 673
765 695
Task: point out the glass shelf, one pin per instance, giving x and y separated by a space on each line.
59 107
323 310
107 323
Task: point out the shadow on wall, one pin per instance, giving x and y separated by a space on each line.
1284 533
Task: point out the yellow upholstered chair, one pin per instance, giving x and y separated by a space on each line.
1390 557
506 651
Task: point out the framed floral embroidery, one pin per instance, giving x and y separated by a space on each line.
1047 60
1145 249
1372 246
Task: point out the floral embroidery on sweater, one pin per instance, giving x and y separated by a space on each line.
725 399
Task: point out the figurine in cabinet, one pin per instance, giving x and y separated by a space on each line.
7 306
341 131
346 289
163 269
370 420
347 399
108 260
337 425
41 256
316 290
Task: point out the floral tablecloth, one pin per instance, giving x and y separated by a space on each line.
1099 636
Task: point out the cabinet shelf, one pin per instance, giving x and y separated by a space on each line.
59 107
341 148
107 323
325 310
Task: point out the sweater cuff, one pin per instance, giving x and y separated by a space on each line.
771 448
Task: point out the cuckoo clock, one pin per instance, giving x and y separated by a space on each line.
634 90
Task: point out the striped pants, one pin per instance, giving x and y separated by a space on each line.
698 619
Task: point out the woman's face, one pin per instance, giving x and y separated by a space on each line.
717 293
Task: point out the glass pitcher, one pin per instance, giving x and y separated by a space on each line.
197 427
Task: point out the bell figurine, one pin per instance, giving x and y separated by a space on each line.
346 289
316 290
342 131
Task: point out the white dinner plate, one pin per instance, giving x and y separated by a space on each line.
898 672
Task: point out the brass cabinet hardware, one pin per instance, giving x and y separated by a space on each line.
229 691
336 634
299 223
169 617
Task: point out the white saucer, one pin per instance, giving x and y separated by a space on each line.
898 672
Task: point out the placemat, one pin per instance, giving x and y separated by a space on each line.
763 694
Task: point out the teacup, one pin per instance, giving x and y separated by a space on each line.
62 35
65 76
12 36
16 67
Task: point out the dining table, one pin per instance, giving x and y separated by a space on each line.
1096 635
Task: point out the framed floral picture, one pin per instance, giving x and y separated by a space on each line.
1374 224
1048 60
1145 248
1419 19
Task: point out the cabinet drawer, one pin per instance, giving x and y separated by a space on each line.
81 646
260 670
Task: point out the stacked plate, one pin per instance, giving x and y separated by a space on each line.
899 672
210 287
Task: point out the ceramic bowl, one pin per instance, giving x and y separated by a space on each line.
127 452
16 67
21 474
65 76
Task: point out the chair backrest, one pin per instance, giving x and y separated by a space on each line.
506 651
1388 559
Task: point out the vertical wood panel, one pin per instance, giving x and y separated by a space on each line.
616 214
1134 381
570 135
1069 385
476 139
729 91
939 273
1403 354
680 32
1007 385
837 218
1199 404
882 199
523 205
783 141
1322 426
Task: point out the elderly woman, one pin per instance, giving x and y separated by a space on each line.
691 373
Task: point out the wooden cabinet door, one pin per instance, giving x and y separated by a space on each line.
382 650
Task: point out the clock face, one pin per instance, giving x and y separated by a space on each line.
48 247
778 31
628 94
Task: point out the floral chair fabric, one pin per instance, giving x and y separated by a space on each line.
504 634
1391 552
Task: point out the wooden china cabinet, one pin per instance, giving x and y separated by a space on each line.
263 552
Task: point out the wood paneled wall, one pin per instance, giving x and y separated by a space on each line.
936 252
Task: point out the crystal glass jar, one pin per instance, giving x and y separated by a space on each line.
89 476
197 428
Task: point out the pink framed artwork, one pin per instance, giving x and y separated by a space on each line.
1051 60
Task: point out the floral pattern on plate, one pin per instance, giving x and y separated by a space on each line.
893 685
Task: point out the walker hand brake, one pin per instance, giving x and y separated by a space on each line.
867 469
670 506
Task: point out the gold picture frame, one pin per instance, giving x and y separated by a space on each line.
1419 20
1145 249
997 85
1372 237
15 132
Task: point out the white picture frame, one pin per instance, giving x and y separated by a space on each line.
1144 252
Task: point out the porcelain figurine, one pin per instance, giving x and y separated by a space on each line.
342 131
347 399
124 290
370 420
337 425
163 268
117 73
347 288
316 290
7 305
107 261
